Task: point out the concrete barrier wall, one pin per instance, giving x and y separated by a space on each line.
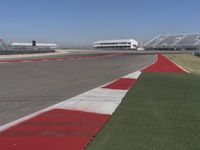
25 50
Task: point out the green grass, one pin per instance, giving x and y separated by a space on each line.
188 61
162 112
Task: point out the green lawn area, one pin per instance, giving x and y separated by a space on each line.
189 62
162 112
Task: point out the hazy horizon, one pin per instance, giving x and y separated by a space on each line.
76 23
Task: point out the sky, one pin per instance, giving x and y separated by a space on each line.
78 23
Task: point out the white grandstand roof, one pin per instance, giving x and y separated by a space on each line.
119 40
38 44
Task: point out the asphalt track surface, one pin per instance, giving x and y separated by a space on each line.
29 87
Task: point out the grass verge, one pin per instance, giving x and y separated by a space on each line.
188 61
162 112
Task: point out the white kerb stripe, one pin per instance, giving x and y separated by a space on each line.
133 75
108 101
102 101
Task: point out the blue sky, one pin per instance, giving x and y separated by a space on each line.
81 22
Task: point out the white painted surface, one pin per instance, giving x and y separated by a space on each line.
100 100
134 75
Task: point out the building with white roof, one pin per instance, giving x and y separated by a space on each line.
116 44
50 45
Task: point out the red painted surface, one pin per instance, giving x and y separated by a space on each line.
163 65
67 129
54 130
121 84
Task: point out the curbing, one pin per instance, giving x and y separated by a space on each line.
77 120
180 66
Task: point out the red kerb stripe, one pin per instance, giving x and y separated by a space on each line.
164 65
54 130
121 84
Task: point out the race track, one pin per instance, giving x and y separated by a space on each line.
29 87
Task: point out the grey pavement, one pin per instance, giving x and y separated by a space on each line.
29 87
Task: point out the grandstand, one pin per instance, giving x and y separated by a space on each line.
116 44
175 42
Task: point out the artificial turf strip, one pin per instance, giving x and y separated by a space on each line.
162 112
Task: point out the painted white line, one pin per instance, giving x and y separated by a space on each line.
16 122
99 100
